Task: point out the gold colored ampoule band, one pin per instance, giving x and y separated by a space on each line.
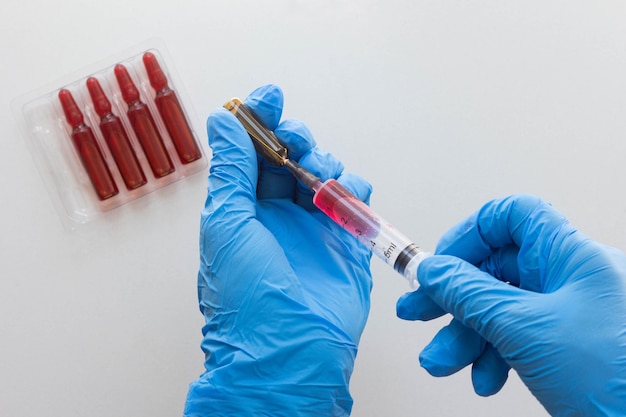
265 142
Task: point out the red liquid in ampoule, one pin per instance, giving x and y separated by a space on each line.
144 126
116 138
171 112
88 149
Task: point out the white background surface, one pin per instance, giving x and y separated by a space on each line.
442 105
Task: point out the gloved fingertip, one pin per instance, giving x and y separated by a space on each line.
453 348
357 186
296 136
322 164
404 308
266 102
426 362
488 387
431 361
417 306
489 372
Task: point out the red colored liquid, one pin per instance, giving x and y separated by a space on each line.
359 220
116 138
88 149
171 112
150 139
144 126
347 211
177 126
123 152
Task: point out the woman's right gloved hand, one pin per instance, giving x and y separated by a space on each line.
528 291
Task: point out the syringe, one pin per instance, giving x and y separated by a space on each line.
334 200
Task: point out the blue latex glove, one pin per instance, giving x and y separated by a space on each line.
285 292
534 294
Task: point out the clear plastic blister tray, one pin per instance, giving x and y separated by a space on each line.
115 133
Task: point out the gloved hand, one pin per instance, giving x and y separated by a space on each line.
532 293
285 299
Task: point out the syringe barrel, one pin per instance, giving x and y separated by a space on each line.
336 201
357 218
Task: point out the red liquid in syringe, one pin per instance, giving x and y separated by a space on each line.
357 218
347 211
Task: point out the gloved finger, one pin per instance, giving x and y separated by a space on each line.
296 136
266 102
488 229
489 372
521 220
417 305
502 264
453 348
357 186
321 164
233 172
277 182
465 241
475 298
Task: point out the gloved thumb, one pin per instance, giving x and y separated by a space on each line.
234 170
233 173
478 300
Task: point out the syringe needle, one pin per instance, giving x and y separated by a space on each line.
308 179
